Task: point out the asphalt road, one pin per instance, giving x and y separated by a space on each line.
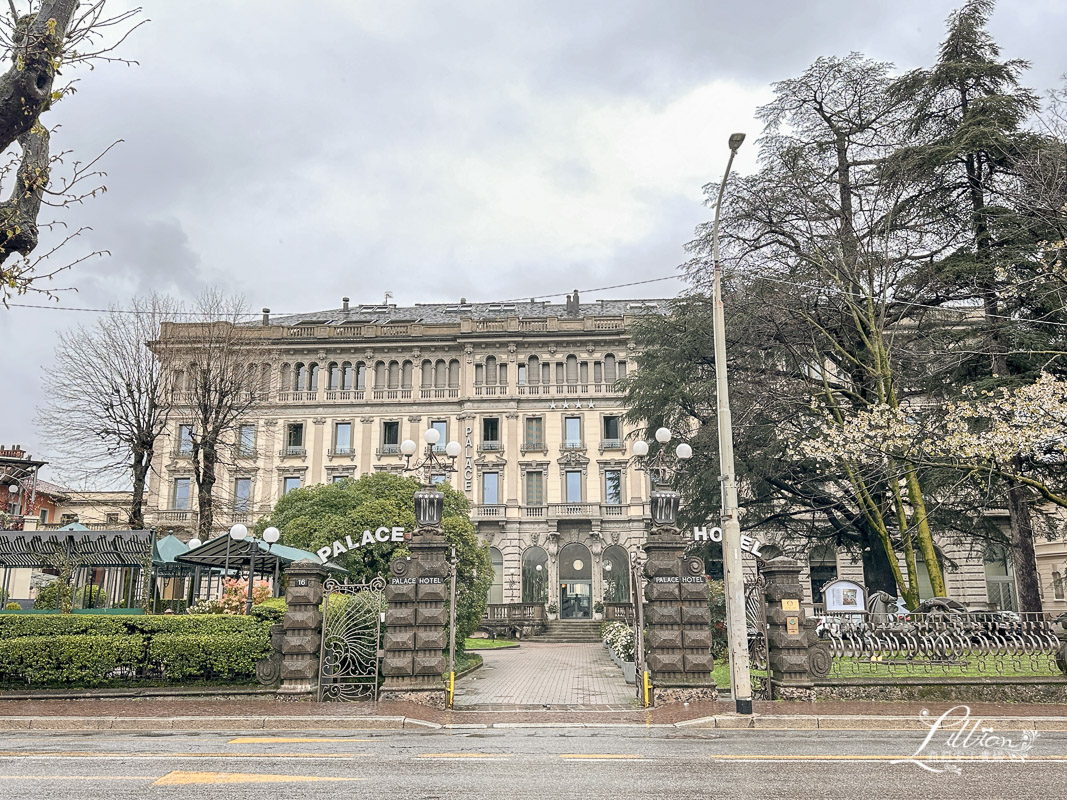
519 763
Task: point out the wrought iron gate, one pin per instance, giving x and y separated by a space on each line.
351 640
756 622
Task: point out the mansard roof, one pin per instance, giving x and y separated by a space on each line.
454 312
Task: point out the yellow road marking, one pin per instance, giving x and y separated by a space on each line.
463 755
289 739
186 778
600 755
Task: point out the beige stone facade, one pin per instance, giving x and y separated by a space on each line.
527 389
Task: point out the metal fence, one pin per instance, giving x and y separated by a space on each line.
960 644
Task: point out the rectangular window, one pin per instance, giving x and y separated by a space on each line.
611 429
613 487
246 443
339 478
44 516
521 372
294 437
391 437
242 495
1057 585
574 486
290 483
572 432
439 480
181 494
535 433
441 426
535 488
490 488
491 433
112 519
342 438
185 439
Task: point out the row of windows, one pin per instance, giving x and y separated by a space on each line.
181 493
396 374
573 487
574 565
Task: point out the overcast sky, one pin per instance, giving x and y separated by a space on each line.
297 152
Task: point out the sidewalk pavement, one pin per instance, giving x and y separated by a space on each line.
234 714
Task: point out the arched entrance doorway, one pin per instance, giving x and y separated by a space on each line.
534 575
575 582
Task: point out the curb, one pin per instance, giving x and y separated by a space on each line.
782 722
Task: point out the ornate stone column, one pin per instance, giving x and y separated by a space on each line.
677 634
794 654
302 627
417 620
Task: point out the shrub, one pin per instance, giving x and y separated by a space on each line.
48 596
619 637
90 597
12 607
271 610
84 650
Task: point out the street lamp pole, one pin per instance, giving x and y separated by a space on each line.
737 624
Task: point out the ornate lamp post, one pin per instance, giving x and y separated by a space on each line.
239 533
663 470
429 502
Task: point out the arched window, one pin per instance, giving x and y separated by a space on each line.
490 371
440 374
264 378
346 375
427 374
394 375
379 375
616 566
333 380
313 377
405 375
453 374
361 375
534 575
285 376
609 369
496 591
572 369
300 376
575 582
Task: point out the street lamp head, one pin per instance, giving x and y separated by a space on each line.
736 139
452 449
194 543
663 435
607 567
683 451
238 532
408 447
432 436
13 488
271 535
640 448
538 568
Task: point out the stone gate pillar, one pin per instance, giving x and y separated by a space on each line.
417 620
302 626
677 633
794 654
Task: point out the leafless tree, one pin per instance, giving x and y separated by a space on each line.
109 398
216 355
40 38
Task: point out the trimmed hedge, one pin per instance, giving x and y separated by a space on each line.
76 651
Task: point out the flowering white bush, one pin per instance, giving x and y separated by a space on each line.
619 637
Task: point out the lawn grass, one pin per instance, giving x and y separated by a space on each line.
466 661
721 673
488 644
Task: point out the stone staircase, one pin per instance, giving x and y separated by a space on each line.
570 631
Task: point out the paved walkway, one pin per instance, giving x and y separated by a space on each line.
537 675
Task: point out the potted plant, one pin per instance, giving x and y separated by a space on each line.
552 610
598 610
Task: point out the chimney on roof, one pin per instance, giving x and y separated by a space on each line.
344 304
463 301
572 304
266 316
